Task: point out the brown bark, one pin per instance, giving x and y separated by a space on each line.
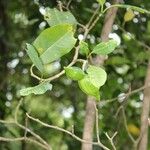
99 60
145 113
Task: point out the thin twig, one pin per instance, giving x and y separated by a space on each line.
68 4
97 124
111 139
126 125
15 122
104 102
60 73
67 132
4 139
92 17
26 129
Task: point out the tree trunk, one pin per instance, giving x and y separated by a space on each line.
99 60
145 113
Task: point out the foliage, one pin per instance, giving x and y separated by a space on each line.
64 105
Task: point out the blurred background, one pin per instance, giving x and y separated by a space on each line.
21 22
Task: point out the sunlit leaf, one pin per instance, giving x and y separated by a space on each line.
129 15
101 2
33 54
55 42
84 50
97 76
74 73
37 90
87 87
55 17
105 48
133 129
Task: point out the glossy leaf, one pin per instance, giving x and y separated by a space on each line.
55 42
129 15
105 48
55 17
87 87
74 73
97 76
37 90
33 54
84 50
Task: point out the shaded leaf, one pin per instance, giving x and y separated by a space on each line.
117 60
105 48
37 90
33 54
74 73
87 87
55 42
84 50
55 17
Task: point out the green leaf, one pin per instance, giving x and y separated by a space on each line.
101 2
87 87
84 50
55 17
52 68
74 73
141 10
105 48
37 90
97 76
55 42
129 15
33 54
92 82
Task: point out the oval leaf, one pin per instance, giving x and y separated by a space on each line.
37 90
55 17
33 54
105 48
129 15
74 73
87 87
97 76
55 42
84 50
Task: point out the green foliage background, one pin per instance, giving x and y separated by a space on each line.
21 22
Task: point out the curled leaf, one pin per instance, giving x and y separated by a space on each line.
37 90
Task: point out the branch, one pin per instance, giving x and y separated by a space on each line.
104 102
39 140
26 139
111 140
66 131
